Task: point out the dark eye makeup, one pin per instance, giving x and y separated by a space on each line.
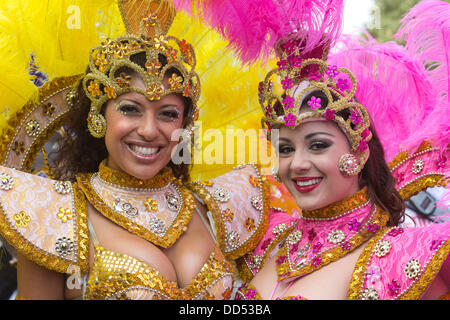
319 144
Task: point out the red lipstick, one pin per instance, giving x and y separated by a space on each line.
307 184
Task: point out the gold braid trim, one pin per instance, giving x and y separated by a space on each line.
251 243
418 287
357 279
402 156
42 257
163 178
335 209
421 184
173 233
197 188
431 270
21 298
82 228
9 133
244 272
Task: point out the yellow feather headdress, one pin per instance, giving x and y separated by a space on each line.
53 41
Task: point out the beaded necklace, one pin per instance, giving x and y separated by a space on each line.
158 209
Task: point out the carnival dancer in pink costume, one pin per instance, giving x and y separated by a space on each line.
349 179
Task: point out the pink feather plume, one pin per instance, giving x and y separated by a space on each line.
253 27
392 85
406 88
426 32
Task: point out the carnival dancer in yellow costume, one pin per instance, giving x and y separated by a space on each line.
117 217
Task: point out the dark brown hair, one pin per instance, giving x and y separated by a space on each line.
79 151
380 183
376 174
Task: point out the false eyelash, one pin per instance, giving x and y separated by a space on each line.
122 107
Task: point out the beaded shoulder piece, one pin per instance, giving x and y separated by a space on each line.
416 171
30 128
43 219
239 202
280 224
400 263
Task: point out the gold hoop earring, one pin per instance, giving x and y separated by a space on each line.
349 165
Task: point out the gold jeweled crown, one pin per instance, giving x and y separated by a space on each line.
301 74
103 82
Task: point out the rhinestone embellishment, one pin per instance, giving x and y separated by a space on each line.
255 261
279 228
294 237
302 252
122 206
64 246
382 248
32 128
412 268
62 187
417 166
221 195
257 202
6 181
336 236
233 240
173 203
369 294
157 226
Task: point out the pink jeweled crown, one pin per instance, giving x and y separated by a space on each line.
304 87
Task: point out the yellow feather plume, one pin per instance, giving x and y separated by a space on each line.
60 33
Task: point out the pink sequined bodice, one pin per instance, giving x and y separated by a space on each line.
396 263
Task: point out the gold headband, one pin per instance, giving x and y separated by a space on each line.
338 85
103 81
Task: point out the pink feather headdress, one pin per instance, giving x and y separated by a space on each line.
392 85
426 32
253 27
405 88
406 91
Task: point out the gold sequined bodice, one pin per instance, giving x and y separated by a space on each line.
47 222
120 276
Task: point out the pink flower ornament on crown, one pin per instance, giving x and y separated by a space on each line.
328 92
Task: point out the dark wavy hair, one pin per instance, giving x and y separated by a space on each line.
78 151
376 174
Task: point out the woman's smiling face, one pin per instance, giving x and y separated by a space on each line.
139 131
309 164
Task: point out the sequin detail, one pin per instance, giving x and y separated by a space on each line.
6 181
125 180
116 276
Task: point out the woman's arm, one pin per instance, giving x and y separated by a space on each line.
435 290
38 283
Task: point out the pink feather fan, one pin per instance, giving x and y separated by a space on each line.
253 27
406 88
392 85
426 32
